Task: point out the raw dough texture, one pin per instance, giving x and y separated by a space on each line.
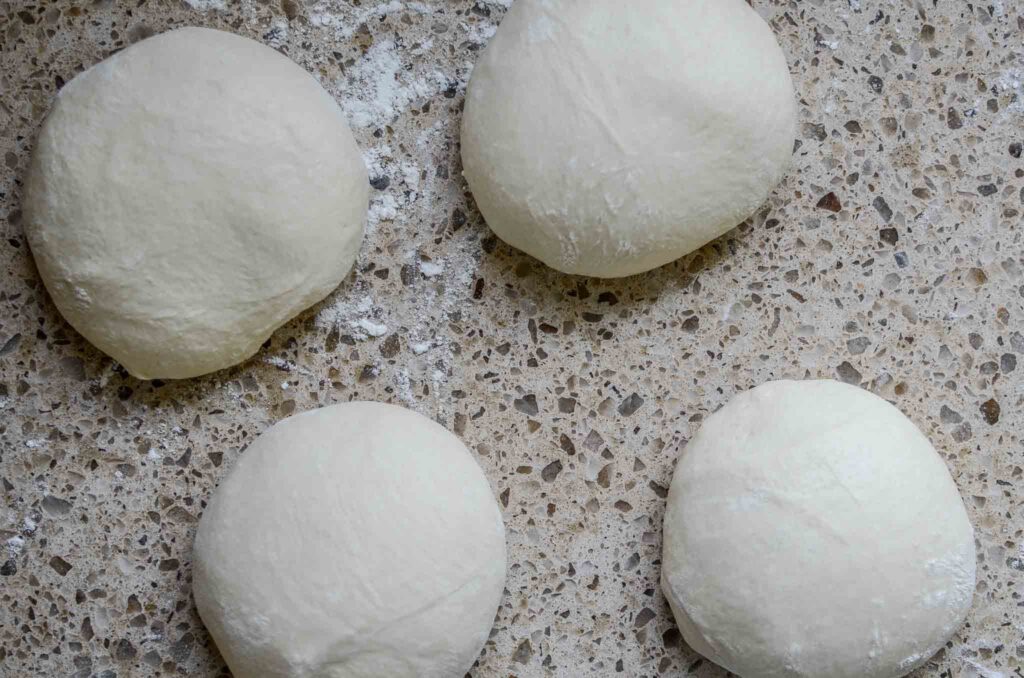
188 196
356 541
607 139
812 531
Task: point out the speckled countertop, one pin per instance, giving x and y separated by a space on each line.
891 257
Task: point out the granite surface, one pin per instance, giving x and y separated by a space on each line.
891 257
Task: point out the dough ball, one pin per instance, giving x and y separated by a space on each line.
356 541
188 196
608 140
812 531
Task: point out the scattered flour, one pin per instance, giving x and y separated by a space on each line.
976 670
378 88
14 545
420 347
431 269
207 5
370 327
278 33
345 27
1011 81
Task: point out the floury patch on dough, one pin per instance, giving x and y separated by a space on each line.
354 541
607 141
188 196
812 530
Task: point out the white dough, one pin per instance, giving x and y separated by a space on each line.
607 138
356 541
188 196
812 531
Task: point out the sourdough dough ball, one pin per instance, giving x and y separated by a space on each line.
356 541
812 531
606 139
188 196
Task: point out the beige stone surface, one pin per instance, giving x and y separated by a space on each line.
890 257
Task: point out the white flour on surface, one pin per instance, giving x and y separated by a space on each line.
1011 81
206 5
378 89
976 670
345 27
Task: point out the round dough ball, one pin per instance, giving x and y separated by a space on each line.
608 140
354 541
188 196
812 531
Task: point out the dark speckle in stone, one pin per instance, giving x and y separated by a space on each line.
55 506
883 208
953 119
1008 362
124 650
858 345
523 652
8 568
380 183
60 566
853 127
527 405
987 189
876 84
642 619
390 347
830 202
949 416
630 405
889 236
848 373
1016 149
990 410
672 638
290 9
901 259
551 471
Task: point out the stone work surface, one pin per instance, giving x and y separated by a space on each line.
891 257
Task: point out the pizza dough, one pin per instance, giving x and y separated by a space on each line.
355 541
608 140
188 196
812 531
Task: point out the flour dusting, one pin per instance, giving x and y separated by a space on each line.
207 5
378 89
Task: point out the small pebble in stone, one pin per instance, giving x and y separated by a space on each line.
830 202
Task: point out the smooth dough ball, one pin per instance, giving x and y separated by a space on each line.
607 140
355 541
188 196
812 531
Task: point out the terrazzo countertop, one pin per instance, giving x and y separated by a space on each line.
890 257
